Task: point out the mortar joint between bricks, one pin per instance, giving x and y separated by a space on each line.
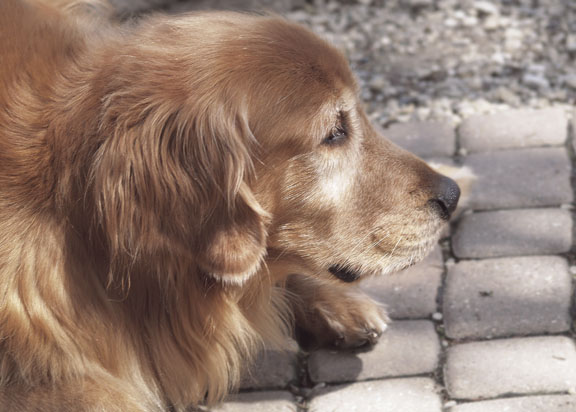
302 388
447 254
458 156
571 256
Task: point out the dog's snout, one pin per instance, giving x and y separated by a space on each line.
446 197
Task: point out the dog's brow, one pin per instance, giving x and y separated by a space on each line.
343 120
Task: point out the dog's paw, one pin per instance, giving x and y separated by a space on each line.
351 321
359 322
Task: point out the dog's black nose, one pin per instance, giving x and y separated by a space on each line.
446 199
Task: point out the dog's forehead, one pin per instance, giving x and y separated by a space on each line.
304 52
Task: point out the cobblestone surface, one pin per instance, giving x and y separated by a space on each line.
426 139
520 178
550 403
412 293
513 129
272 369
507 296
407 348
394 395
480 370
513 233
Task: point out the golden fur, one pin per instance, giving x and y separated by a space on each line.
159 184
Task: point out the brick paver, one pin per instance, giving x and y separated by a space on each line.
272 369
514 129
507 296
394 395
533 365
513 233
271 401
426 139
520 178
407 348
412 293
548 403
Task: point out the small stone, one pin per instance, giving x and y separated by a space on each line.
492 23
536 68
571 42
537 81
450 22
513 39
415 4
507 96
469 21
498 58
512 33
437 316
378 82
450 404
486 7
570 80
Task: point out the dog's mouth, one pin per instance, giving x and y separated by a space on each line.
343 273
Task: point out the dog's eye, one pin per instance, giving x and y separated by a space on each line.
337 136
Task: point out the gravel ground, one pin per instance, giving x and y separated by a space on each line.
431 59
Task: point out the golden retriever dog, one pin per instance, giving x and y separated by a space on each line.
178 190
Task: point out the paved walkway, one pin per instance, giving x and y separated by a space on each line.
484 324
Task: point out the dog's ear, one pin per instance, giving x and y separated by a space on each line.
173 178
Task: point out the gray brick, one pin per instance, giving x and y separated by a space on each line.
407 348
507 296
520 366
520 178
425 138
411 293
514 129
395 395
271 369
274 401
513 233
549 403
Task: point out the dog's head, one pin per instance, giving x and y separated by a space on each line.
233 137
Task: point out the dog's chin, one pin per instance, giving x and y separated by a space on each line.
349 274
